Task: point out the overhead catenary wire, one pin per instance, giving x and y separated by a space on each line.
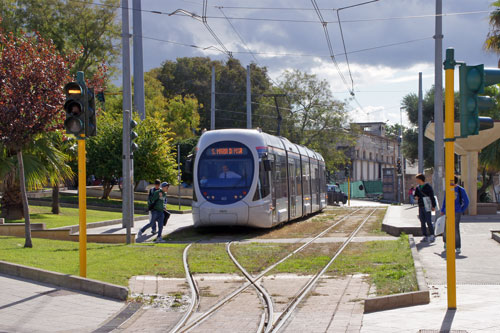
158 12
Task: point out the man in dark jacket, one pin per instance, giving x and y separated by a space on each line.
461 204
426 204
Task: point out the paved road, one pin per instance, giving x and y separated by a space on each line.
27 306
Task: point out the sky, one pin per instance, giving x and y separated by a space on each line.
388 42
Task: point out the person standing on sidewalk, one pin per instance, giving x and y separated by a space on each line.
461 204
426 204
150 196
411 195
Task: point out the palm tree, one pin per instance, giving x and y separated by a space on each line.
492 42
44 164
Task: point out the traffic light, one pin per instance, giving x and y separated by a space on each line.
133 136
75 108
473 79
398 165
347 171
90 119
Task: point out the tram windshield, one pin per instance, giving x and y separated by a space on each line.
225 165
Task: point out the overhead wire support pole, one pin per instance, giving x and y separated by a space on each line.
249 99
420 126
138 60
438 103
212 101
451 280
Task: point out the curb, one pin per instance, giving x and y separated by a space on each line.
75 228
495 235
422 296
65 280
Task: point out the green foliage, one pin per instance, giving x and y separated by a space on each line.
314 118
192 77
187 147
492 42
71 25
410 137
154 158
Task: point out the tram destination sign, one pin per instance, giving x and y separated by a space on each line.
225 151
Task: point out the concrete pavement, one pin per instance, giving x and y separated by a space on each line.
27 306
478 282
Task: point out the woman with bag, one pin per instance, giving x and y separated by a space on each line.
426 204
461 204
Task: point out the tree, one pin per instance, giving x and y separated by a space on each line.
71 25
152 160
31 77
179 112
410 137
492 42
314 118
192 77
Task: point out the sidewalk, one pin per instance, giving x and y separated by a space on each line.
27 306
478 281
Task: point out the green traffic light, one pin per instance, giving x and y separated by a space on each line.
474 79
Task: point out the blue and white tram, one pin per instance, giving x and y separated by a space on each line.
246 177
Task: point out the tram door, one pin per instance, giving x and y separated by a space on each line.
292 199
274 183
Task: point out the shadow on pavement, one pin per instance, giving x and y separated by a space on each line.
443 255
412 207
447 321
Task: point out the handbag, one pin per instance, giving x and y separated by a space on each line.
166 216
427 204
439 226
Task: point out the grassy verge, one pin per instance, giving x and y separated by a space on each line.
105 262
66 217
389 264
373 227
138 204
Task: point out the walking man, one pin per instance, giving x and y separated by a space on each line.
461 204
157 204
426 204
150 197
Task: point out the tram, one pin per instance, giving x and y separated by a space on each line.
245 177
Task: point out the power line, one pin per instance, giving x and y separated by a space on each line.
207 26
329 43
179 13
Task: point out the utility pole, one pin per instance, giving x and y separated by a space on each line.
420 127
127 194
249 100
438 104
401 156
212 101
138 60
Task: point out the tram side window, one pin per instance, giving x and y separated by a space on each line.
298 176
263 187
283 180
305 176
315 179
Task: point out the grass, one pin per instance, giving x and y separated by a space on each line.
66 216
105 262
71 198
389 264
374 225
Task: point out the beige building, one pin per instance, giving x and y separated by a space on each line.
373 152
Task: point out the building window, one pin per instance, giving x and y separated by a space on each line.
371 156
357 153
364 155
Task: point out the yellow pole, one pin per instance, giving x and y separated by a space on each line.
449 178
82 204
349 191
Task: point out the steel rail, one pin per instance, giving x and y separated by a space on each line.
267 298
308 286
195 294
219 304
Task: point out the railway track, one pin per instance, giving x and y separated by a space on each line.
267 323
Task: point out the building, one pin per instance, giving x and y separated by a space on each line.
373 152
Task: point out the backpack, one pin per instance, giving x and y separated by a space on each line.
151 205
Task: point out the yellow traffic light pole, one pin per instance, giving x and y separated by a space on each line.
82 204
349 191
449 66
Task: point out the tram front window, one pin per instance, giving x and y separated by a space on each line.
225 172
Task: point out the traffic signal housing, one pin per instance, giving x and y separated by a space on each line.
133 136
398 166
90 116
473 79
75 108
347 172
